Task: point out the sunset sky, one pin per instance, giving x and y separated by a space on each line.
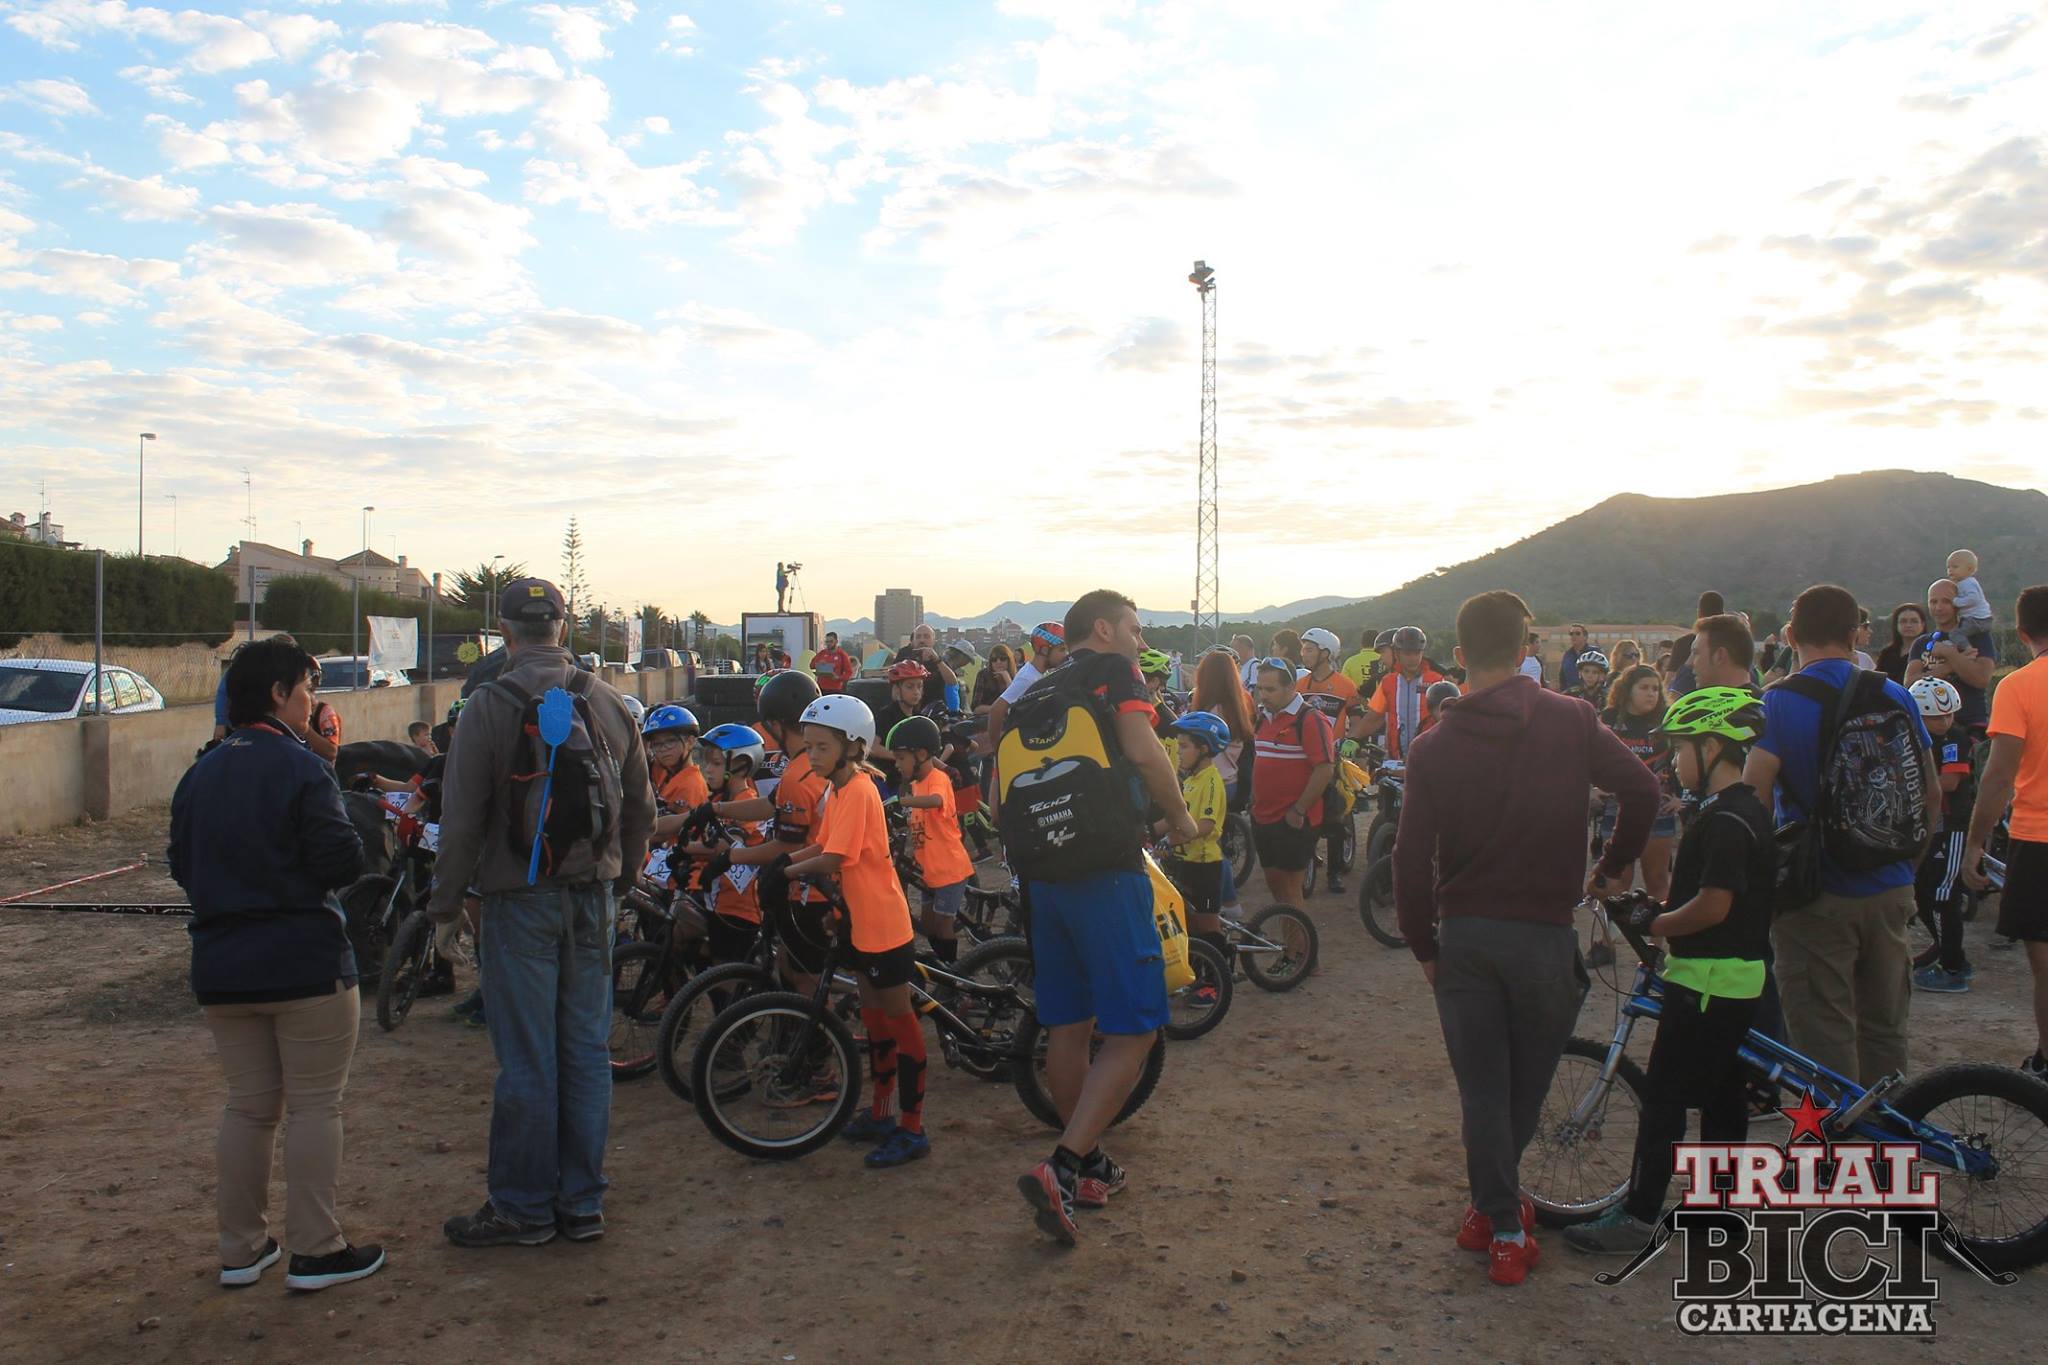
899 290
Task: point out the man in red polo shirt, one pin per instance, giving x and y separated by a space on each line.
1295 755
832 665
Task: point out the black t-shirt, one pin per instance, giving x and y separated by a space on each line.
1639 734
1729 846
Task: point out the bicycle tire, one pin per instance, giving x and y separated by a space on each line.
1296 969
1557 1206
1238 846
1315 866
405 966
2027 1097
675 1041
1007 961
1030 1079
718 1106
640 1000
362 902
1376 888
1347 842
1189 1022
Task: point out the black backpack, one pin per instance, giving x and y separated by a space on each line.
1072 804
583 803
1870 800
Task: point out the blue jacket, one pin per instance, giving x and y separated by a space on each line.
259 841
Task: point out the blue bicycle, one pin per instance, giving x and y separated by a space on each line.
1983 1127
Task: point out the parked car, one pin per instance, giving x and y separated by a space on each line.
58 689
347 672
658 659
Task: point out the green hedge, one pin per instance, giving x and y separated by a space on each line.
316 612
148 601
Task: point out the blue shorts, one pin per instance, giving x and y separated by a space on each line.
1095 953
946 901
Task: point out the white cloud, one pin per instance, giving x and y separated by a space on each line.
291 245
656 124
159 82
90 275
62 97
146 200
184 148
680 28
578 31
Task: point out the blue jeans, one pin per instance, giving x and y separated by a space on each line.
546 963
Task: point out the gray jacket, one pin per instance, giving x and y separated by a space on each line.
475 847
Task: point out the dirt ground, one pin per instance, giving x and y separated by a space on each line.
1295 1185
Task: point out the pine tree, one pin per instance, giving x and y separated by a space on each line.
575 581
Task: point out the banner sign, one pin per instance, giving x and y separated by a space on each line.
394 643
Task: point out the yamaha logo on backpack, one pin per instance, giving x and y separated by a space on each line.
1070 804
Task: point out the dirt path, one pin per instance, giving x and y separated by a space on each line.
1295 1185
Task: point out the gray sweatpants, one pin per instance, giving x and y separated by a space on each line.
1508 994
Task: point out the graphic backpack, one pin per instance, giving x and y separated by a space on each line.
1071 803
583 802
1871 806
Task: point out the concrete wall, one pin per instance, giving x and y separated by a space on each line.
59 772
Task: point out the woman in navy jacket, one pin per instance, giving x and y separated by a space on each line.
259 841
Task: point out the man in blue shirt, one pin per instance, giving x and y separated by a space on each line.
1844 966
1966 660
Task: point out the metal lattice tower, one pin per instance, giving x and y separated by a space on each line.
1207 610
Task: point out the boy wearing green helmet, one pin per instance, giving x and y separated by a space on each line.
1717 933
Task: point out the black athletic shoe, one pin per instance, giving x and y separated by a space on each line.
308 1273
581 1227
235 1276
439 981
2036 1066
487 1227
1335 885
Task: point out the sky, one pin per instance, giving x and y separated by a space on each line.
899 290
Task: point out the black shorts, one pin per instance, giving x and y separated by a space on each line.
1282 847
800 929
2023 906
891 967
1201 885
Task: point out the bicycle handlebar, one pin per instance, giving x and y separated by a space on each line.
1619 910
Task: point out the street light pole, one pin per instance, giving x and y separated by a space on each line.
355 611
140 437
491 586
174 523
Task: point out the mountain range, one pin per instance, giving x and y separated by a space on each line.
1028 614
1884 535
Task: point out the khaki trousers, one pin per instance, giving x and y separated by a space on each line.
1845 971
288 1059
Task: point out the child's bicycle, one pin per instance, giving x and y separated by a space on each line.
1984 1127
775 1043
1277 947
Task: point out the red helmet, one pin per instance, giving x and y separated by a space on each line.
1049 634
908 669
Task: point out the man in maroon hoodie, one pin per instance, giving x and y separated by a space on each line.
1489 864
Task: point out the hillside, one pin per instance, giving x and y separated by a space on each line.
1029 613
1884 535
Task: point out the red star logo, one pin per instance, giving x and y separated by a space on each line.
1806 1119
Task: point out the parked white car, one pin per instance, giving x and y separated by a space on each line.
347 672
58 689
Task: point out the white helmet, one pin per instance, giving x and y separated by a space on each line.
847 714
1301 675
1936 697
1321 639
635 708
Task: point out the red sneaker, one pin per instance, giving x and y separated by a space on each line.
1509 1263
1100 1179
1477 1230
1053 1199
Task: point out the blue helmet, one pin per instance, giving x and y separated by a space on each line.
1205 728
738 741
663 719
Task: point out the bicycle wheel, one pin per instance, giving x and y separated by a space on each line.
784 1105
1036 1093
363 901
1196 1008
1315 865
692 1007
1577 1166
998 962
640 998
2004 1217
1299 944
1347 844
406 964
1238 847
1376 888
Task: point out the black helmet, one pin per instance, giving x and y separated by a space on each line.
916 732
1440 695
1410 637
1384 640
783 697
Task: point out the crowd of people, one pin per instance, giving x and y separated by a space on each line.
1701 774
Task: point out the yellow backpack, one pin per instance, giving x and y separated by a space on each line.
1169 911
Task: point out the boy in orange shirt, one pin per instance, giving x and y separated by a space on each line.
732 755
927 793
670 733
851 843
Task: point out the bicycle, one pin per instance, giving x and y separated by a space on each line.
1376 886
376 905
649 966
410 961
1238 849
776 1040
1984 1126
1199 1006
1277 947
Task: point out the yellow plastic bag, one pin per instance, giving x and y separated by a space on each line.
1348 786
1169 911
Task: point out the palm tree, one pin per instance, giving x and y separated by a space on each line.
474 588
698 620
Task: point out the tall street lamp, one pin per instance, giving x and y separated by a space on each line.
355 613
140 437
173 498
491 592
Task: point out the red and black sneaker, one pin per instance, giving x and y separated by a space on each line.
1509 1263
1476 1232
1100 1178
1050 1190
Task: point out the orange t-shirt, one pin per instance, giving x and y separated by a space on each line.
854 828
799 798
1383 702
2019 708
737 892
941 854
683 789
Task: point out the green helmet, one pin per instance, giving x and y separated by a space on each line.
1154 661
1731 713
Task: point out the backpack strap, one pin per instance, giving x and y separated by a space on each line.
1835 706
